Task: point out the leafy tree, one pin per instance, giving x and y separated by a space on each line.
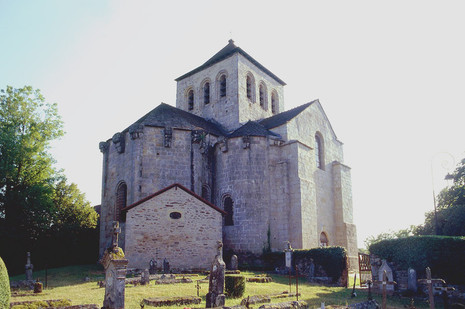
27 126
450 209
390 235
73 211
39 211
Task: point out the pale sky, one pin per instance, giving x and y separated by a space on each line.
390 76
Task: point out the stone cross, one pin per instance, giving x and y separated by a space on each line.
116 231
430 287
29 267
383 306
115 266
215 296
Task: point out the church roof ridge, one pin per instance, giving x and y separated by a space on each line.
284 117
177 185
252 128
165 115
226 52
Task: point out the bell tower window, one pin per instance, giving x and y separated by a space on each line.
274 103
222 86
206 93
190 99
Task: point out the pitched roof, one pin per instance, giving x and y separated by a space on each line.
226 52
165 115
284 117
175 185
252 128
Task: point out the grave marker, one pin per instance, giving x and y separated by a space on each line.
215 296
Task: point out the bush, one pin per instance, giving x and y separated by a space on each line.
4 286
445 255
234 286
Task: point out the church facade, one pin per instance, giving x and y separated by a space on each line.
276 175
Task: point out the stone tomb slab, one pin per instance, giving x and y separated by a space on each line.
171 301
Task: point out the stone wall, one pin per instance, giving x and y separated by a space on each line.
188 242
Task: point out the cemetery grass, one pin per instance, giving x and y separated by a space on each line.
69 283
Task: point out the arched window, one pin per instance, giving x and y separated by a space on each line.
274 102
206 93
249 87
223 86
190 99
262 95
121 199
319 152
228 207
324 240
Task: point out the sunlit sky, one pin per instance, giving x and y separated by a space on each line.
390 76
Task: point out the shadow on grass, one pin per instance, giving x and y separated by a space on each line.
65 276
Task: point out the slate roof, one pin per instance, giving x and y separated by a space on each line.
252 128
226 52
284 117
166 115
175 185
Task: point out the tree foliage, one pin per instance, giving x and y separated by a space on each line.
450 213
37 206
27 126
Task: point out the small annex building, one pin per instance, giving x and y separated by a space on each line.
173 223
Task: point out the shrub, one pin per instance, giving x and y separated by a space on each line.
333 260
234 286
4 286
445 255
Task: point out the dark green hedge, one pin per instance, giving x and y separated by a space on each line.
443 254
333 260
4 286
234 286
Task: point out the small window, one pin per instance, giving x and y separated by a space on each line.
228 207
121 200
274 103
222 86
206 93
190 99
249 88
323 240
262 96
319 152
175 215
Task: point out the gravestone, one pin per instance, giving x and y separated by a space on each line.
288 256
412 280
311 269
390 279
166 266
153 267
215 296
115 273
234 262
29 267
145 277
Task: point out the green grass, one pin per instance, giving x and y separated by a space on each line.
68 283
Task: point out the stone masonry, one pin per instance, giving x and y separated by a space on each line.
257 164
177 225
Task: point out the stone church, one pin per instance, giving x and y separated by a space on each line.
271 175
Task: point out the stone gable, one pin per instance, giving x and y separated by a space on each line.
174 224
